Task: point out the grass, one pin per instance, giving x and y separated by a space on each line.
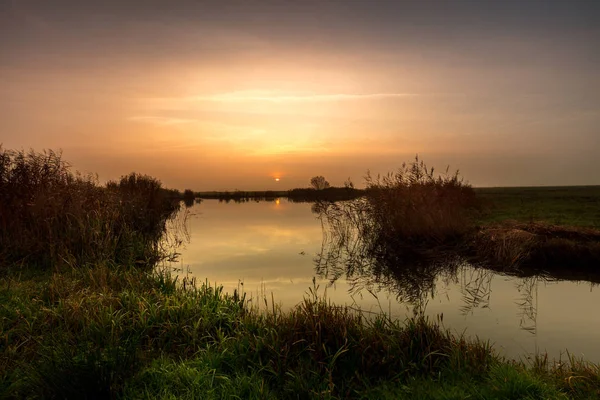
548 247
117 332
571 206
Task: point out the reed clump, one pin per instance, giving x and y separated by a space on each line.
406 218
414 206
51 217
413 224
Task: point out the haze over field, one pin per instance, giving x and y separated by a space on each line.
226 95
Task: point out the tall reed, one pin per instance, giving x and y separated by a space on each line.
414 205
50 216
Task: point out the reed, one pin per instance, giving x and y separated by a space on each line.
412 225
414 205
51 217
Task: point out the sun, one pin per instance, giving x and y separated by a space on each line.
276 179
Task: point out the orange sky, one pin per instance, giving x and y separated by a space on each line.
219 97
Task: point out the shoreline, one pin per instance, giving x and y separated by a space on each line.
316 349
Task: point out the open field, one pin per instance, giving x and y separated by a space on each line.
564 205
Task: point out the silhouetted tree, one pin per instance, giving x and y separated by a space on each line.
319 182
189 194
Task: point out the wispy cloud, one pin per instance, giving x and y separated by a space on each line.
276 97
162 120
272 97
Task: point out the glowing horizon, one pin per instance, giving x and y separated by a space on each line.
508 95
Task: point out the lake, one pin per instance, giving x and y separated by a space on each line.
270 249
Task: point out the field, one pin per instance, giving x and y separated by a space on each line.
566 205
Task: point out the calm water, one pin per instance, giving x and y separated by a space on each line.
271 248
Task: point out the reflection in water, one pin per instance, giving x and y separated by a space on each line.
188 202
528 287
176 234
476 288
353 251
350 250
278 249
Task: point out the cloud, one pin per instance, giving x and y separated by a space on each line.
254 96
162 120
275 97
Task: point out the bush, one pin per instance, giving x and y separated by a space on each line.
188 197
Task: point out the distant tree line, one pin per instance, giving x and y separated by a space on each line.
319 190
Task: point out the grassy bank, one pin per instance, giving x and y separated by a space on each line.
112 332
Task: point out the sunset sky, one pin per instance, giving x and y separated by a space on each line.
233 94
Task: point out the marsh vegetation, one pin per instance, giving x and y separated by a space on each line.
51 217
413 216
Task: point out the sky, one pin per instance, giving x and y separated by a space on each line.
224 95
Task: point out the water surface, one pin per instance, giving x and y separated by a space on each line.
271 248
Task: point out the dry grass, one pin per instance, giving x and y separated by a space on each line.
513 244
579 378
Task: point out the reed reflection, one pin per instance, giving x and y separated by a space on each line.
352 248
355 250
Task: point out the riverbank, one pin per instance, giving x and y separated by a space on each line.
120 332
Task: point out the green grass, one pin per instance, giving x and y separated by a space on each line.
503 381
574 205
126 333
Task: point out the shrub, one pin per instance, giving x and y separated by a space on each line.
188 197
